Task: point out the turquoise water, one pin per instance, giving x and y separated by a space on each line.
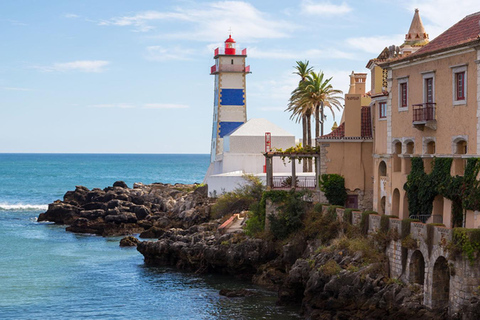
47 273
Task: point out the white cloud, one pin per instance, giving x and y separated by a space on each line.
164 106
206 20
89 66
159 53
324 8
71 16
375 44
113 105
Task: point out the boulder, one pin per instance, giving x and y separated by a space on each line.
129 241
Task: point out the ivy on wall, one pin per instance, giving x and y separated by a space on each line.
463 191
422 188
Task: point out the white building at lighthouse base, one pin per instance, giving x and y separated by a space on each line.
242 154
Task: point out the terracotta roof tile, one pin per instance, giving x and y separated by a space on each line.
366 128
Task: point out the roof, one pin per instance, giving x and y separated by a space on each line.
366 128
416 34
463 33
230 39
258 127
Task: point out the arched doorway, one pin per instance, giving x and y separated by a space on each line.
382 169
396 202
440 283
409 150
437 212
405 212
417 268
397 161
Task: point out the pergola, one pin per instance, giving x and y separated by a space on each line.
281 182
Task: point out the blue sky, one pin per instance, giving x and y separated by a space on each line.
121 76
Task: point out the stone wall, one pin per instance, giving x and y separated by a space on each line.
448 280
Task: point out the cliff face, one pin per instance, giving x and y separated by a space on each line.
119 210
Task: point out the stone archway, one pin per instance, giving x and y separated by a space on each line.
396 203
405 212
440 283
417 268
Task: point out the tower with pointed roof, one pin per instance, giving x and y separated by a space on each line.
416 36
230 108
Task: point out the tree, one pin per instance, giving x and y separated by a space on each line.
302 70
318 93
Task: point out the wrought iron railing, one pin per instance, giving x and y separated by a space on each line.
423 112
285 182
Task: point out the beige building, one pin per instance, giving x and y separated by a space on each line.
425 103
347 150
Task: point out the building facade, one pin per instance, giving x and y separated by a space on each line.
425 103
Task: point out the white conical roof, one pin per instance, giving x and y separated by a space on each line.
258 127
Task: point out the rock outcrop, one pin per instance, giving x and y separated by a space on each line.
120 210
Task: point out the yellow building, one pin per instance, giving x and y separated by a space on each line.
425 103
347 150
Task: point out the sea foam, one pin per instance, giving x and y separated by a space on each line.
23 207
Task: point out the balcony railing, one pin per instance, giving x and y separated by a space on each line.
301 182
423 112
229 68
242 52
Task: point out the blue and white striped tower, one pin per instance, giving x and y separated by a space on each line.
230 106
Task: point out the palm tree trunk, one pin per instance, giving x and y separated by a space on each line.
304 141
309 140
322 117
317 121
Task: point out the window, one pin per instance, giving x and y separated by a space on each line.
403 95
428 87
429 90
382 114
460 85
459 80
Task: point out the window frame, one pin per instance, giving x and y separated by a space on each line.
382 115
456 70
401 83
426 76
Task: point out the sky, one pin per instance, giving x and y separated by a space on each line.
122 76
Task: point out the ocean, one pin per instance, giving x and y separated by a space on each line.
48 273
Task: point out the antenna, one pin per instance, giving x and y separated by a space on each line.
230 31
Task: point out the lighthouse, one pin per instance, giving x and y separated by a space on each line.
229 106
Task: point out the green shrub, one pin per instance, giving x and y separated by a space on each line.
467 241
330 268
240 199
290 215
333 185
385 222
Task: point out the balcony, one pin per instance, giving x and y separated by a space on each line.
220 51
229 68
424 115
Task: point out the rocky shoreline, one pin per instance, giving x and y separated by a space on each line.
120 210
328 284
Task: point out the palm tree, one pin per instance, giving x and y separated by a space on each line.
318 93
303 70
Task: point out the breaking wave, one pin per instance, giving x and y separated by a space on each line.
23 207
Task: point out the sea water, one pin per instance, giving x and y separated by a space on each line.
48 273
